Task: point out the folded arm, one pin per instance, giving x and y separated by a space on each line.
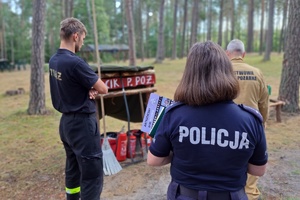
98 88
153 160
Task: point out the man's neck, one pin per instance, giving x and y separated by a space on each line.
67 45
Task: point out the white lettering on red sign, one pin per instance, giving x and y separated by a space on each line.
133 81
129 81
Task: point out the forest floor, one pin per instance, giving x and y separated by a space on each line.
280 182
32 156
138 181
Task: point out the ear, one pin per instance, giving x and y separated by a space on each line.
243 55
75 37
227 53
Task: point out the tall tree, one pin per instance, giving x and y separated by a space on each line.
220 32
37 81
183 29
232 19
140 30
269 36
174 49
160 51
261 35
131 35
289 84
91 23
3 34
147 46
194 25
67 8
250 26
123 21
95 29
209 20
52 27
283 28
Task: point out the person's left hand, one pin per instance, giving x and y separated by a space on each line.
93 93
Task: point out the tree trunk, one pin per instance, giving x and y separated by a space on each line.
174 49
283 28
140 31
91 22
269 36
261 36
250 26
227 8
123 22
232 20
183 30
160 52
2 34
67 10
37 82
220 35
289 84
1 45
147 32
12 59
98 61
209 20
194 26
1 37
4 39
131 36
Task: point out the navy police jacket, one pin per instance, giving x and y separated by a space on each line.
211 144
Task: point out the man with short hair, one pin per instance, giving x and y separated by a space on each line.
253 93
74 86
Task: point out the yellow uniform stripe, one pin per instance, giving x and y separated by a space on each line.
72 190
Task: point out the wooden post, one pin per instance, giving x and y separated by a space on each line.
98 65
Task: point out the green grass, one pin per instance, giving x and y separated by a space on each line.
30 145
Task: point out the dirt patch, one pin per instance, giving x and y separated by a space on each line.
140 181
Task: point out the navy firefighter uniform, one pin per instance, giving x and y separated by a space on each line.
71 78
220 138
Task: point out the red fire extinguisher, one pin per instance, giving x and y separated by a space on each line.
131 146
121 146
148 139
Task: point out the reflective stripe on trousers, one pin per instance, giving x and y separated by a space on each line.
72 190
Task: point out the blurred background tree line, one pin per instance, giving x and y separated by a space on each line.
29 32
261 24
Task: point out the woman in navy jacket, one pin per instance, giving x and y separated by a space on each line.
210 141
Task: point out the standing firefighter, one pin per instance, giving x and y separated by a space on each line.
73 87
254 93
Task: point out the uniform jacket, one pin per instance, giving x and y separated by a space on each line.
254 91
211 144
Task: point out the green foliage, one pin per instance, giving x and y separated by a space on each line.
46 67
81 13
111 22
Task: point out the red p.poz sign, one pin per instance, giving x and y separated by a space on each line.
130 81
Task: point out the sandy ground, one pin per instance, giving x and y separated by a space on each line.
139 181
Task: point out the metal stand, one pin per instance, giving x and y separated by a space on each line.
125 93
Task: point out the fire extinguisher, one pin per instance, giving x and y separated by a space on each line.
121 150
143 142
131 146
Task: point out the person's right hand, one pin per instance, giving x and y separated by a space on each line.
93 93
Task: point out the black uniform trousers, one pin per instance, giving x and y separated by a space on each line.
179 192
84 164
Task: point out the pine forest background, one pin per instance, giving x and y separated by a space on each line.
160 29
216 20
